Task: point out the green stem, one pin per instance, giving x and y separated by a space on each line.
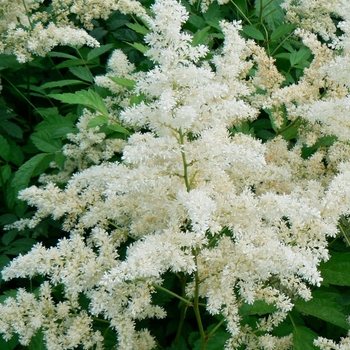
185 165
187 302
196 310
183 311
281 43
344 234
289 126
215 329
100 320
242 13
25 98
27 13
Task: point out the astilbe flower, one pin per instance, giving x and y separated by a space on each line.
28 28
242 220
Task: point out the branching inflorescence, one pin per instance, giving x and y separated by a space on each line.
238 220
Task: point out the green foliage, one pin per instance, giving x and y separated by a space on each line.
34 128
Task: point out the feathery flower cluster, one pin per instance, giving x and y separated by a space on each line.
243 220
26 29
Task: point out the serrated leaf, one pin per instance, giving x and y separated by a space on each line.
88 98
37 342
303 338
282 30
6 219
270 11
216 342
297 57
259 307
4 149
48 112
70 63
10 344
138 28
60 54
139 47
129 83
290 133
322 306
253 32
118 128
284 55
5 173
64 131
97 121
337 269
213 13
33 167
200 36
82 73
137 99
8 237
98 51
52 123
4 260
9 61
44 141
67 82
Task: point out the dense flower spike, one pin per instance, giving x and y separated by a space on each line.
242 220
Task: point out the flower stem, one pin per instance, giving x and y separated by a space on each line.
183 311
187 302
182 143
197 312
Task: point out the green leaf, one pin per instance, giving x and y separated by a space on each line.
44 141
138 28
37 342
71 63
300 56
200 37
10 344
130 84
33 167
324 307
336 270
118 128
82 73
21 246
137 99
54 84
54 122
180 344
8 237
282 30
284 55
259 307
98 51
5 173
270 11
6 219
11 129
9 61
4 260
303 338
290 133
60 54
4 149
253 32
97 121
88 98
216 342
139 47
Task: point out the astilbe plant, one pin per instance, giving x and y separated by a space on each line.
235 220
